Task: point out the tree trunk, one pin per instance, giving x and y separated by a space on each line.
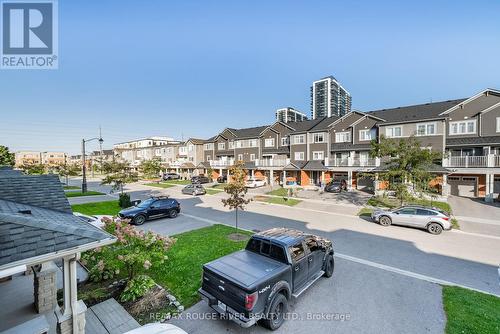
236 211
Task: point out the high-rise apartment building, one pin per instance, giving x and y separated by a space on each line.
329 98
289 114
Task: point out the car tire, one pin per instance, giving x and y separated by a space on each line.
329 266
172 213
139 219
385 221
434 228
277 313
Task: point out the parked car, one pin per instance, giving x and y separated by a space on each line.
432 219
222 179
171 176
200 179
333 187
194 189
254 183
157 328
259 282
96 220
152 208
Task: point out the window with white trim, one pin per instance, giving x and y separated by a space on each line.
426 129
269 142
240 157
394 132
252 143
208 146
318 155
299 155
190 147
318 137
231 145
252 157
238 144
498 124
463 127
299 139
209 158
365 135
284 141
342 137
221 146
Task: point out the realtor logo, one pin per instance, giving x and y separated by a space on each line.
29 34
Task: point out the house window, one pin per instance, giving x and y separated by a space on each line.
498 124
269 142
318 137
190 148
252 143
231 145
318 155
284 141
209 158
208 146
426 129
365 135
240 157
252 157
462 127
342 137
238 144
393 132
221 146
299 155
299 139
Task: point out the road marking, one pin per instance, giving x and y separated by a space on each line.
369 263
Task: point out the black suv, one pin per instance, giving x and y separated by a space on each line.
154 207
200 179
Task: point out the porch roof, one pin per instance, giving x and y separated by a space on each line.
314 165
433 168
188 165
294 166
203 164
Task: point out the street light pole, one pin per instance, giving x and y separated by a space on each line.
84 168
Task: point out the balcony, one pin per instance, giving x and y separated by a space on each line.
352 162
221 163
271 162
472 161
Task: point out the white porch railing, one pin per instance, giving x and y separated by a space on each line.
271 162
472 161
496 160
221 163
352 162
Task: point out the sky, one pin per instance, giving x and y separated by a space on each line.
191 68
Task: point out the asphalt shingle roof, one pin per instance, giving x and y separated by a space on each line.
415 112
349 147
314 165
466 141
253 132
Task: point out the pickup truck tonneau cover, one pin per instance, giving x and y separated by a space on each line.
245 268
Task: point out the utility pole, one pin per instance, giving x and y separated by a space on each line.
100 150
84 168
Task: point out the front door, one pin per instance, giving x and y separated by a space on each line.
315 257
299 266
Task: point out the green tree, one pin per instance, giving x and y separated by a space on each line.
67 170
6 158
118 174
33 168
150 168
236 190
406 161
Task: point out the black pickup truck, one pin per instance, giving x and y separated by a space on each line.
257 283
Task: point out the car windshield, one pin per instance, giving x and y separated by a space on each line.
146 203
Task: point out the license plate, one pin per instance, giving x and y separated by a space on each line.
221 305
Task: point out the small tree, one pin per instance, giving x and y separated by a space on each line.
67 170
33 168
118 174
236 190
6 158
407 162
151 168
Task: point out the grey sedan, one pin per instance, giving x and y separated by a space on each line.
431 219
194 189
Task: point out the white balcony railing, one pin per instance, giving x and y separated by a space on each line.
271 162
472 161
352 162
221 163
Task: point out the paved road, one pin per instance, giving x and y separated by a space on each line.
474 215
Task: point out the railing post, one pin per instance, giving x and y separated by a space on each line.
490 162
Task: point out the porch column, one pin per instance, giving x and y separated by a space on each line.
445 188
323 177
45 288
252 172
271 174
284 178
489 187
71 318
349 180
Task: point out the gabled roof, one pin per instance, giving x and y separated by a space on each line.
44 191
314 165
196 141
472 98
415 113
324 124
306 125
253 132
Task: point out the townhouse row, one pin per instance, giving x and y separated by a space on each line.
307 153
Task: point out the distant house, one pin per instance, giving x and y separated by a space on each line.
37 227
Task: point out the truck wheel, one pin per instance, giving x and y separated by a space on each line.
139 220
277 313
329 265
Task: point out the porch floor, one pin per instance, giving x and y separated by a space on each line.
109 317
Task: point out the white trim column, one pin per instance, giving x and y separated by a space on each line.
490 181
349 180
284 178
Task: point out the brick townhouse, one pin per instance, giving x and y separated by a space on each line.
466 131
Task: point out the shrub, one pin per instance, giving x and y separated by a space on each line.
124 201
137 288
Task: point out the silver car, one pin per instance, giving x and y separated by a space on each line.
432 219
194 189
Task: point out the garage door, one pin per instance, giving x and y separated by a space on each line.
496 186
465 186
365 183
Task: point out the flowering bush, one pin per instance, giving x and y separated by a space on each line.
136 288
134 253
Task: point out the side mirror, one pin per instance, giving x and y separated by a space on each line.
136 202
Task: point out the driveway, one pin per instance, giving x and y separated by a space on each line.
475 215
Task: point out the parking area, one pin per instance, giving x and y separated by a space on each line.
475 215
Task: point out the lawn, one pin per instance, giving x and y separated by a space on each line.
393 203
159 185
470 311
71 187
181 273
79 193
98 208
281 192
218 186
177 182
365 212
278 200
211 191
